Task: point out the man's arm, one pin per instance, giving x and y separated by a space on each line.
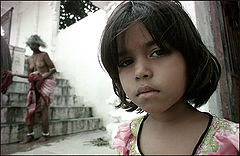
52 71
22 76
50 64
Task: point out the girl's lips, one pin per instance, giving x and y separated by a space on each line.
148 95
146 91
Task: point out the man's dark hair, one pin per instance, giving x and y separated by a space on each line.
166 22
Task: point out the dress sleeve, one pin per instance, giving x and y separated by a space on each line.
227 138
120 141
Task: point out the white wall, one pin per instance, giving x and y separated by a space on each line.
189 7
75 54
76 58
33 17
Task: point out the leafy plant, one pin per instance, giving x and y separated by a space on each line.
99 142
72 11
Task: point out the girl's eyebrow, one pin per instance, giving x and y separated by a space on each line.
146 45
122 53
149 44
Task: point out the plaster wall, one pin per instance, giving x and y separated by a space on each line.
71 58
33 17
77 49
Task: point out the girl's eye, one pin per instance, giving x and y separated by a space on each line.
158 52
125 63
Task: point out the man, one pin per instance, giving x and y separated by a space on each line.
41 86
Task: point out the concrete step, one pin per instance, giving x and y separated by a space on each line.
21 82
12 133
19 99
16 114
22 87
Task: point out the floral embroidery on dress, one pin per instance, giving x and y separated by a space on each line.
222 138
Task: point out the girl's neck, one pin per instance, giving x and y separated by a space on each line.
177 113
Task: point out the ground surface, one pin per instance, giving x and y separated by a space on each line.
70 144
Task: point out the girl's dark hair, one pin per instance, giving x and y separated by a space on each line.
167 22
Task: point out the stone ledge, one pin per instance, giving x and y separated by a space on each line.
62 81
23 89
12 133
16 113
20 99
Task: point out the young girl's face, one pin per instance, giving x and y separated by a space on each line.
153 78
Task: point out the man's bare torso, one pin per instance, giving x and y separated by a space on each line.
39 62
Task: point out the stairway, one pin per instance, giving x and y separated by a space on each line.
67 113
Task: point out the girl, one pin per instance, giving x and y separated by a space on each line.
159 64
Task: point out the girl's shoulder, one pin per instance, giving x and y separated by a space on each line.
135 125
131 126
222 138
125 140
224 127
224 124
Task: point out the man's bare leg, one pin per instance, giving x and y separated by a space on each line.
30 134
45 125
45 118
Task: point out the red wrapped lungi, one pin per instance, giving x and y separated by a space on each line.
45 91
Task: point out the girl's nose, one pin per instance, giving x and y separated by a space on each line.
143 71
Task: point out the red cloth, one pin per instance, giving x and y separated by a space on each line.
31 107
36 80
7 79
45 90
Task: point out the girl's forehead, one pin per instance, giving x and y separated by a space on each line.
135 36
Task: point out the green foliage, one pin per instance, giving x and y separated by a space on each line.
99 142
72 11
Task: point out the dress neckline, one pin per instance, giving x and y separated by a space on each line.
196 146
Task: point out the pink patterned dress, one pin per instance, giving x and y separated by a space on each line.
221 137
